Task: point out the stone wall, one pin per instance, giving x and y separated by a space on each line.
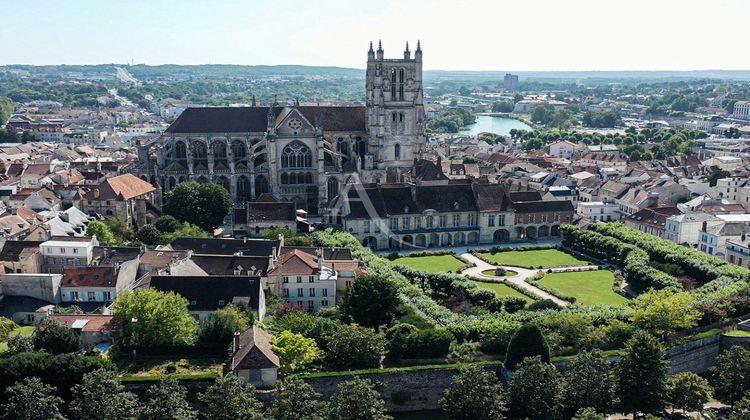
402 391
695 356
40 286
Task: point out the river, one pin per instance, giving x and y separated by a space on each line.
494 124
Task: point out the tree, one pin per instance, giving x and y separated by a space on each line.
20 344
474 394
296 400
588 382
6 109
31 399
662 311
534 390
358 400
527 341
102 233
102 395
149 235
7 326
294 351
642 375
371 301
354 347
200 203
741 409
309 325
230 398
166 400
55 337
502 107
151 318
588 413
119 228
167 224
716 175
731 375
219 327
542 113
688 392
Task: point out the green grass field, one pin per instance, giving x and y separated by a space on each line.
588 287
25 330
502 290
534 258
433 263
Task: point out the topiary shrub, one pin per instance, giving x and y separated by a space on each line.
527 341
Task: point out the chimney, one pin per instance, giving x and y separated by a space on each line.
705 225
236 342
320 260
281 241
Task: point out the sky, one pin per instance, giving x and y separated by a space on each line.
455 34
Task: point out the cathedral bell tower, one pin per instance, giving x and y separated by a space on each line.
395 107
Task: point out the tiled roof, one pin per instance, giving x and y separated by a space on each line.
265 211
296 262
220 246
89 277
93 323
122 187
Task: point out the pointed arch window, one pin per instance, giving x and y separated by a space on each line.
393 84
296 155
397 151
401 84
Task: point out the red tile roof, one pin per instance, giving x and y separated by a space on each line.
123 187
95 323
296 262
89 277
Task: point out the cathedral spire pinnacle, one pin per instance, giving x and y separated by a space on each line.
407 45
296 101
407 53
253 101
371 50
419 47
380 45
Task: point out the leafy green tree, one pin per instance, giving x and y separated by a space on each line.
230 398
741 409
119 228
588 382
55 337
31 399
151 318
731 375
662 311
474 394
527 341
642 375
219 327
101 395
200 203
354 347
358 399
588 413
542 113
68 310
371 301
309 325
6 109
166 400
149 235
102 233
688 392
7 326
534 390
502 107
294 351
167 224
20 344
297 400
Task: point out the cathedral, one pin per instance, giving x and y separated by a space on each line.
306 154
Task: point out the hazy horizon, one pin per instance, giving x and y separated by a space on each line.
474 35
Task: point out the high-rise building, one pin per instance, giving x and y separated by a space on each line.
510 82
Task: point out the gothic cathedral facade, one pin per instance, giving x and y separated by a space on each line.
306 154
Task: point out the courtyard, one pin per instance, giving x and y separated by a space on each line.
588 287
534 258
431 263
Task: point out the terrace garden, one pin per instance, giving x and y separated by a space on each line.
587 287
431 263
534 258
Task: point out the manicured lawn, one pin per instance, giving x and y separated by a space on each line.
433 263
149 367
502 290
588 287
534 258
508 273
25 331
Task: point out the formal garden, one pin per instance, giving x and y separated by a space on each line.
531 258
595 287
440 262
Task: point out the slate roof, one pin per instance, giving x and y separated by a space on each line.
339 254
268 211
209 293
255 119
12 249
220 246
255 351
225 265
543 206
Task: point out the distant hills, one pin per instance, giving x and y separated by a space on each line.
145 72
